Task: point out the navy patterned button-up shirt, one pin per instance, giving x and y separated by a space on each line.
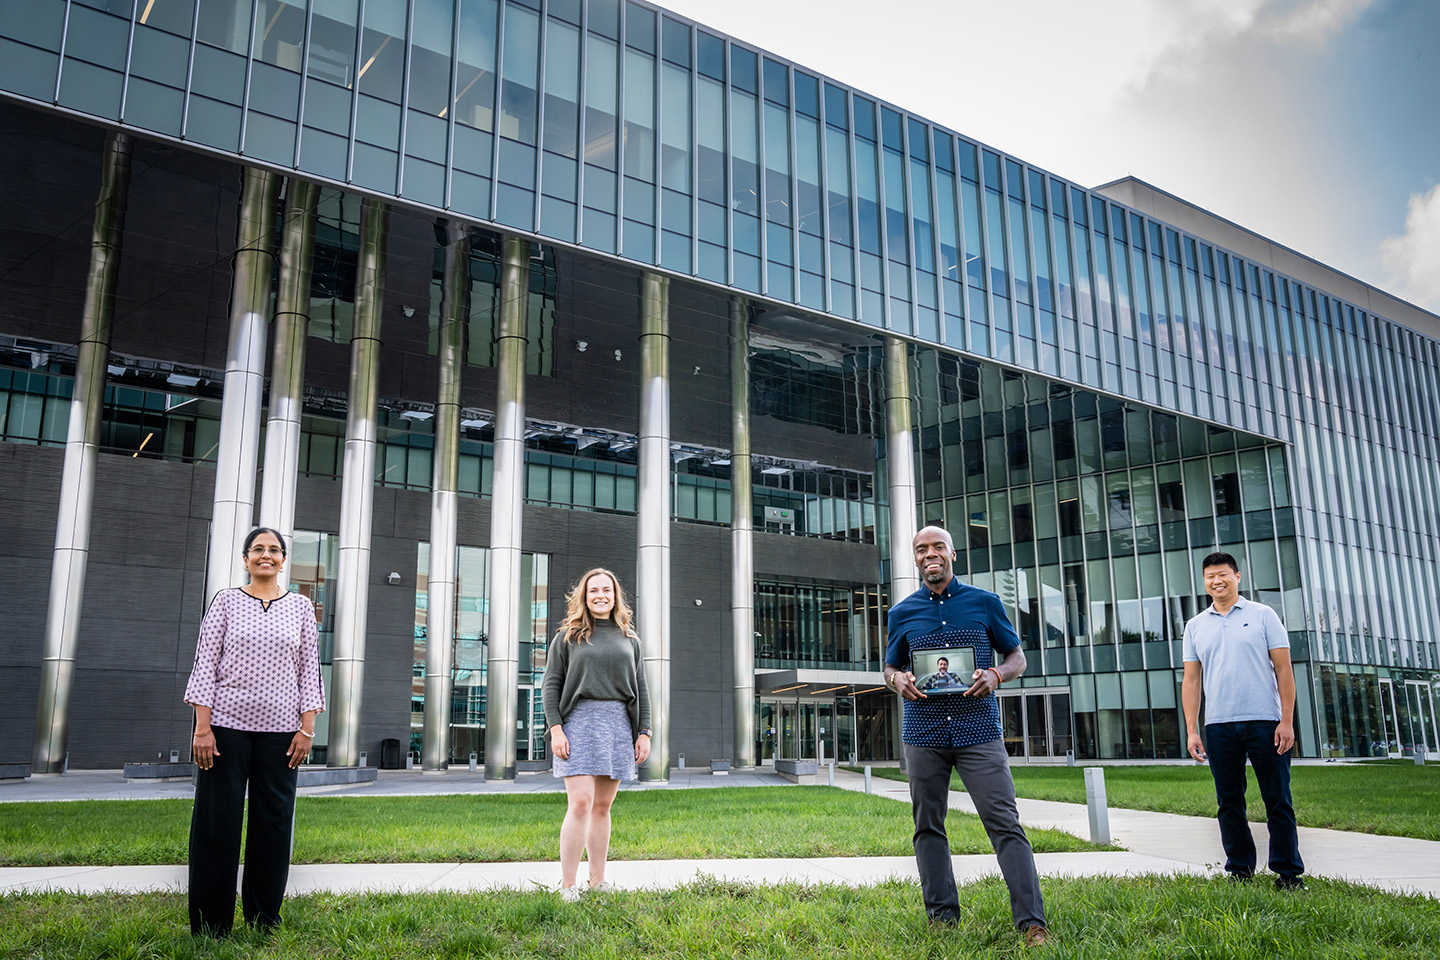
961 616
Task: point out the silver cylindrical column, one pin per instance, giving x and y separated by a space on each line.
77 479
900 463
357 490
287 364
506 503
742 537
652 562
242 401
445 502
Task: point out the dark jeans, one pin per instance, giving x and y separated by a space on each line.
1228 746
257 759
985 769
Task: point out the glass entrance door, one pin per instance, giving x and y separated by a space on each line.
1036 725
767 723
1392 719
794 731
1421 721
788 732
530 725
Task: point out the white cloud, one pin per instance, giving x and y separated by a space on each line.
1413 258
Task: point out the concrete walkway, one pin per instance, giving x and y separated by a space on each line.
1397 864
1154 842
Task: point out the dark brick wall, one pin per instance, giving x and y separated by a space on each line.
145 583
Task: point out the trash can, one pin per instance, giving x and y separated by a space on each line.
390 754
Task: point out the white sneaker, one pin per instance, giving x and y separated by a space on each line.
571 894
604 886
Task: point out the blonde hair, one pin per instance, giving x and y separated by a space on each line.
579 622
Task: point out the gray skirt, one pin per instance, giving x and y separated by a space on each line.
600 744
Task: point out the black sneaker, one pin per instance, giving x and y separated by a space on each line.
1289 883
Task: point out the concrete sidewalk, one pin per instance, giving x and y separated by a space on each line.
1154 842
1397 864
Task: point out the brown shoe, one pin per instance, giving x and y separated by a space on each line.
1037 936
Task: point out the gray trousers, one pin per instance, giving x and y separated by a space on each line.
985 770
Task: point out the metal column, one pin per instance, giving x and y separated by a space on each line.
357 490
507 500
241 403
900 463
652 564
445 502
77 482
287 365
742 537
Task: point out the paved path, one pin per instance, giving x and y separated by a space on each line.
1154 842
1397 864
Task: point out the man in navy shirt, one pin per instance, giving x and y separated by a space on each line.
960 733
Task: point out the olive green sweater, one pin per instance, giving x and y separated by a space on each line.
608 667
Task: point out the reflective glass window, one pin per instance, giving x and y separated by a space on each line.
605 18
639 116
710 52
475 73
332 45
562 91
225 24
281 26
640 28
430 62
601 103
675 128
519 69
382 51
777 164
743 66
675 42
174 16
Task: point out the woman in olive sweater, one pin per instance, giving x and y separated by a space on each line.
598 713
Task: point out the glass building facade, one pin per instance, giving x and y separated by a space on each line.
1101 395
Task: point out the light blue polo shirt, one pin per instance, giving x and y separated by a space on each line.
1233 651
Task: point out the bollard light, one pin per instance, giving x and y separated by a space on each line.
1095 804
364 757
832 773
474 761
867 779
682 761
174 756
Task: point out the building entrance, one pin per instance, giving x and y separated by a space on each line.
1037 724
806 730
1418 733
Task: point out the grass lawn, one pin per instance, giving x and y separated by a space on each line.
1109 918
648 825
1400 800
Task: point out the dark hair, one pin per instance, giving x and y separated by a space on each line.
1219 559
256 532
940 660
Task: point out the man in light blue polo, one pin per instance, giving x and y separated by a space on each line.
1238 653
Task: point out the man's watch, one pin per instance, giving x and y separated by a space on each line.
644 732
890 681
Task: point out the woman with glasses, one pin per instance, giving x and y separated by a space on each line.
598 712
256 690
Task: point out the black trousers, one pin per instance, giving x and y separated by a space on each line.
985 770
259 760
1230 745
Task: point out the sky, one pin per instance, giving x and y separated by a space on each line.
1315 123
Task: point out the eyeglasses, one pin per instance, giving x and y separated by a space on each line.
260 550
